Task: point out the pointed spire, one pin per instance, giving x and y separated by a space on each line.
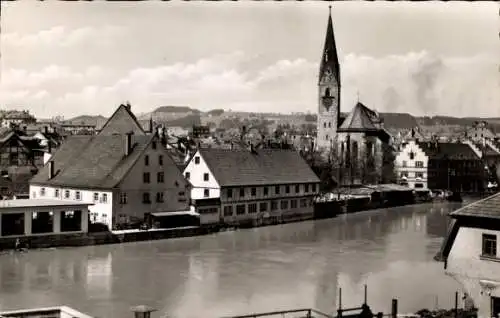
329 60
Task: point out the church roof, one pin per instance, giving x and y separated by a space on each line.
329 60
360 119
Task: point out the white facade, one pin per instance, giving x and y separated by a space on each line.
478 274
204 185
101 211
411 166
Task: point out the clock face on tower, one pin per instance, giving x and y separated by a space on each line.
328 76
327 99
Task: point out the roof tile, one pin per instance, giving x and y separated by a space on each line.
488 208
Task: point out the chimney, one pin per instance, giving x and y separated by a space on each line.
128 143
51 169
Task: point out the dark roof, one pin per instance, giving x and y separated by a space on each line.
92 161
122 121
448 150
262 167
360 119
487 208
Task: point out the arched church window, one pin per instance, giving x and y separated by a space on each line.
326 137
324 125
329 125
327 92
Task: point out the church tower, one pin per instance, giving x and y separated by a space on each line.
328 91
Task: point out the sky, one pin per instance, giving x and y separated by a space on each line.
72 58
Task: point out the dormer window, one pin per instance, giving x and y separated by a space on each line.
197 160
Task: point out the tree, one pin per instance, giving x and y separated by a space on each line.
388 174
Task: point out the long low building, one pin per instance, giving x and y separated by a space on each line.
27 217
240 186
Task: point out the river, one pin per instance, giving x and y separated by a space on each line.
263 269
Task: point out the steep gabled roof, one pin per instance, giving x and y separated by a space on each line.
448 150
360 119
122 121
92 161
262 167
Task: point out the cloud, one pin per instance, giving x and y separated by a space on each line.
60 36
417 82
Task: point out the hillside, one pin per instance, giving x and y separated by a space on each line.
186 117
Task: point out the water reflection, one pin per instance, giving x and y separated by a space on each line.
294 265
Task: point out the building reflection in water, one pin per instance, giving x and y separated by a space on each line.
264 269
99 275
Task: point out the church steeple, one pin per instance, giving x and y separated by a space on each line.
328 91
329 60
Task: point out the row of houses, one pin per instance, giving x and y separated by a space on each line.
129 175
464 166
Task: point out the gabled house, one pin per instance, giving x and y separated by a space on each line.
411 166
263 185
127 174
479 131
471 254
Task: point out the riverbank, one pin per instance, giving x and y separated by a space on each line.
328 210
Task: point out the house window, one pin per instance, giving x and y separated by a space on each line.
274 205
324 125
306 188
405 164
96 196
197 160
104 198
228 210
160 160
266 190
253 191
240 209
159 197
252 208
188 175
205 177
146 198
303 203
66 194
242 192
419 164
160 177
145 177
206 193
78 195
293 204
123 198
153 145
412 155
146 160
277 189
419 174
263 207
314 187
284 204
297 188
42 192
229 193
489 245
287 189
56 193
